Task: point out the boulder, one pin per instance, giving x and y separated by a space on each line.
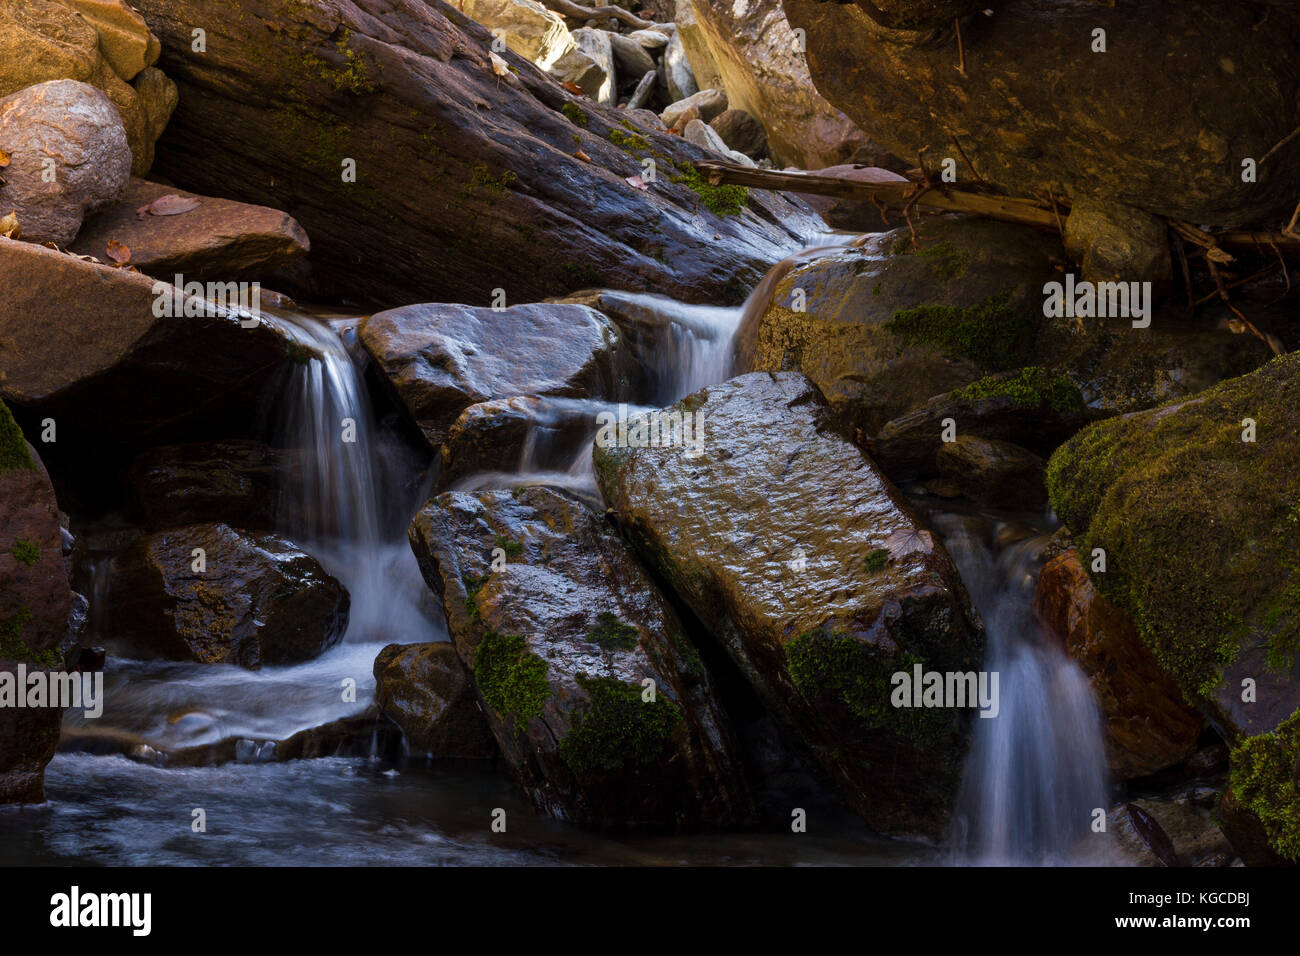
764 72
35 603
441 359
885 326
1113 242
741 132
218 240
1041 108
1186 819
525 26
706 103
499 435
852 215
598 700
124 37
68 157
816 576
158 99
695 46
428 693
631 59
458 170
596 45
248 599
1195 506
200 482
650 39
993 472
704 136
679 81
1148 724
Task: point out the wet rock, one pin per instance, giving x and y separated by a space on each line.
765 73
458 170
72 129
816 576
741 132
247 599
1117 243
1192 835
1148 725
35 604
707 104
218 240
561 628
1032 407
81 344
441 359
1027 136
201 482
993 472
124 37
426 691
498 435
885 327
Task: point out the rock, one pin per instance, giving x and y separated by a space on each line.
457 168
679 81
703 135
498 434
631 59
696 46
578 68
650 39
1117 243
647 118
1026 136
993 472
441 359
884 327
202 482
258 600
560 639
764 71
124 37
80 343
72 130
706 103
218 241
426 691
853 215
1031 407
1191 831
1199 526
158 99
741 132
537 34
35 604
1148 725
597 45
818 579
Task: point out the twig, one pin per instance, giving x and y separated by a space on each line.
961 50
956 142
1187 271
1223 294
1285 139
1060 226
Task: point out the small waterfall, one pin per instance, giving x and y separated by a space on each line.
1037 771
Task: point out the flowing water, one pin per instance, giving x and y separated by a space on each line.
351 489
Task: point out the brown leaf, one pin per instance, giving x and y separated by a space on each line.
9 227
905 541
582 156
4 159
118 252
169 205
499 65
636 182
573 88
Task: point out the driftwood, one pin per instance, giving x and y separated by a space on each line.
579 12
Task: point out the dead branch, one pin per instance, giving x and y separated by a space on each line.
579 12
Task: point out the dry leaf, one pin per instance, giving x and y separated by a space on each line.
169 205
906 541
9 227
582 156
118 252
4 159
636 182
499 66
573 88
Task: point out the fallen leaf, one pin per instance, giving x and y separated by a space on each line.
169 205
905 541
636 182
582 156
118 252
499 66
9 227
573 88
4 159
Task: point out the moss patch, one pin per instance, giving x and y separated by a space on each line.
617 729
13 447
1032 387
1263 779
950 262
721 200
876 560
511 678
26 552
13 648
573 112
992 333
513 549
628 141
612 634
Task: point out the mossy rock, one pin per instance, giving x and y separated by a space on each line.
13 446
1264 782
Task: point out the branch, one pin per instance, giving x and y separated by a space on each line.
579 12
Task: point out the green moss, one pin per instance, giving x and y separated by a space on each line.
1197 525
26 552
991 333
610 633
1031 387
13 447
354 77
617 729
840 667
628 141
950 262
876 560
13 648
1263 780
574 113
721 200
513 549
481 177
511 678
580 276
473 584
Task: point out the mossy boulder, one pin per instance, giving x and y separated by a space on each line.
815 575
883 327
428 693
566 635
